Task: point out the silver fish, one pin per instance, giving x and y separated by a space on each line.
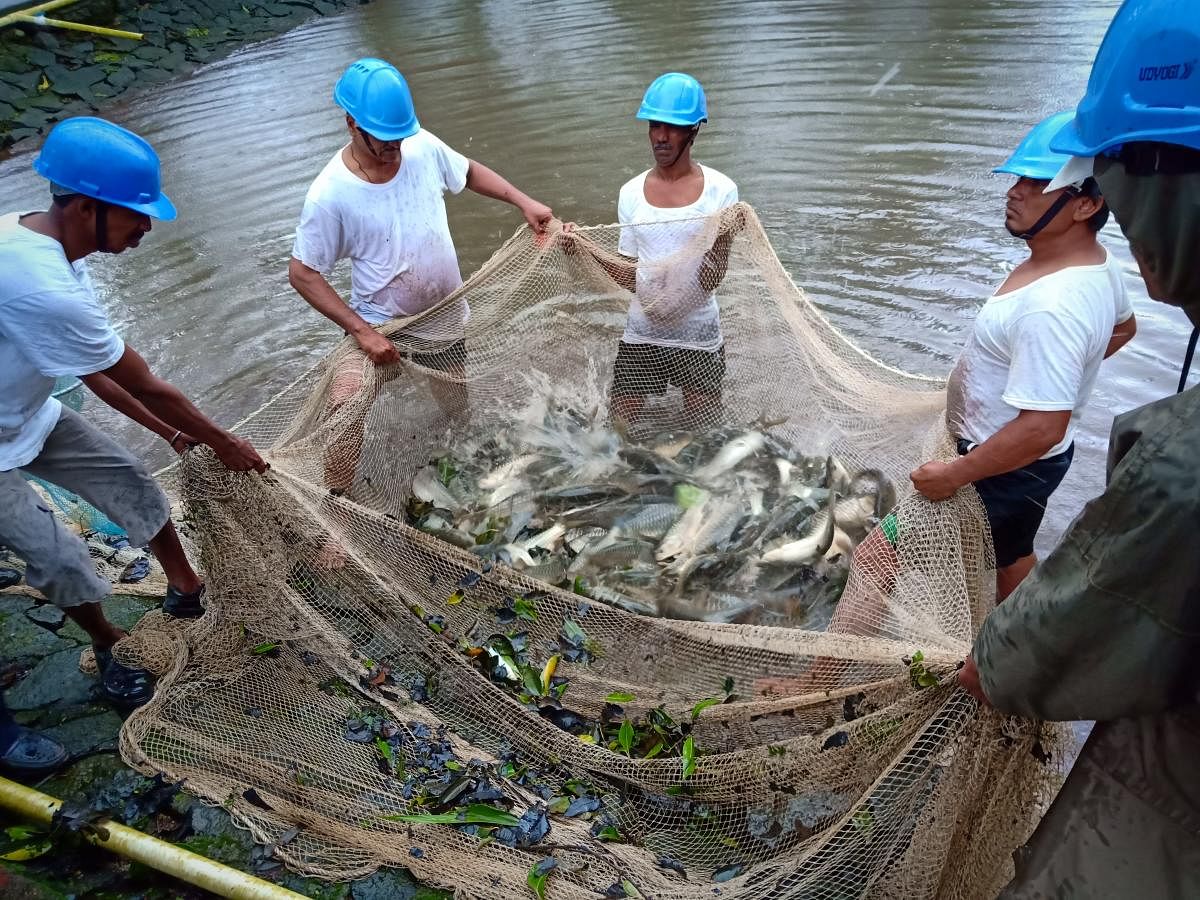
730 455
624 601
428 487
813 545
651 521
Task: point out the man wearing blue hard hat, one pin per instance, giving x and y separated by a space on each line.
105 186
673 258
1022 382
379 203
1108 627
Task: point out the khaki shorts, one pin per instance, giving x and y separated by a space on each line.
82 459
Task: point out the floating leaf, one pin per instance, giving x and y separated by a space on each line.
531 679
703 705
582 806
387 753
475 814
572 632
548 671
864 821
625 736
29 851
619 697
538 873
689 757
688 495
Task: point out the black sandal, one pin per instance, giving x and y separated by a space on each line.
121 684
184 606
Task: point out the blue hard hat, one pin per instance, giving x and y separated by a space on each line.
98 159
1145 82
1033 157
676 99
376 95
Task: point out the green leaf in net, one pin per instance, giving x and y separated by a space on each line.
689 757
625 737
475 814
620 697
538 873
703 705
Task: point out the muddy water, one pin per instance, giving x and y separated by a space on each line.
862 133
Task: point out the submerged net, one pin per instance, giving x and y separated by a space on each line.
355 673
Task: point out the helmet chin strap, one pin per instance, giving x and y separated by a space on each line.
369 142
102 226
1048 216
691 138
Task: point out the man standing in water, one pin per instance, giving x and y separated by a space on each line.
1022 382
673 333
1108 627
105 185
379 203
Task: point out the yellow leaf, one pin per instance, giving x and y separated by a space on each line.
548 672
43 85
29 851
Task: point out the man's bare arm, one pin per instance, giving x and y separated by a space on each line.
1121 336
169 404
126 404
313 287
1023 440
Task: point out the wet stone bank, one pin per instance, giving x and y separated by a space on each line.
48 73
44 687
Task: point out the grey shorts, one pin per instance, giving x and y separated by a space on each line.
84 460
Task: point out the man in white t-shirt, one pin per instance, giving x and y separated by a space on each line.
105 185
674 256
1019 388
379 203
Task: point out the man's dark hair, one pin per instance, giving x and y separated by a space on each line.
1091 188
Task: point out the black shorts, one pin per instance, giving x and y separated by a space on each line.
1016 502
643 369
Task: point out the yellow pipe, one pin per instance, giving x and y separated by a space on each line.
33 10
150 851
79 26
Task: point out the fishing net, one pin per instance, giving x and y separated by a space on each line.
362 693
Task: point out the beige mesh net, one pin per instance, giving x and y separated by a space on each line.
367 689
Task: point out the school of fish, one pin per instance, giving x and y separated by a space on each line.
729 525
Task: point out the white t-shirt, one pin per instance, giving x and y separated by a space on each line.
670 308
1038 348
51 324
395 234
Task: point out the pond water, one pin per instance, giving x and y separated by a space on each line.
863 134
